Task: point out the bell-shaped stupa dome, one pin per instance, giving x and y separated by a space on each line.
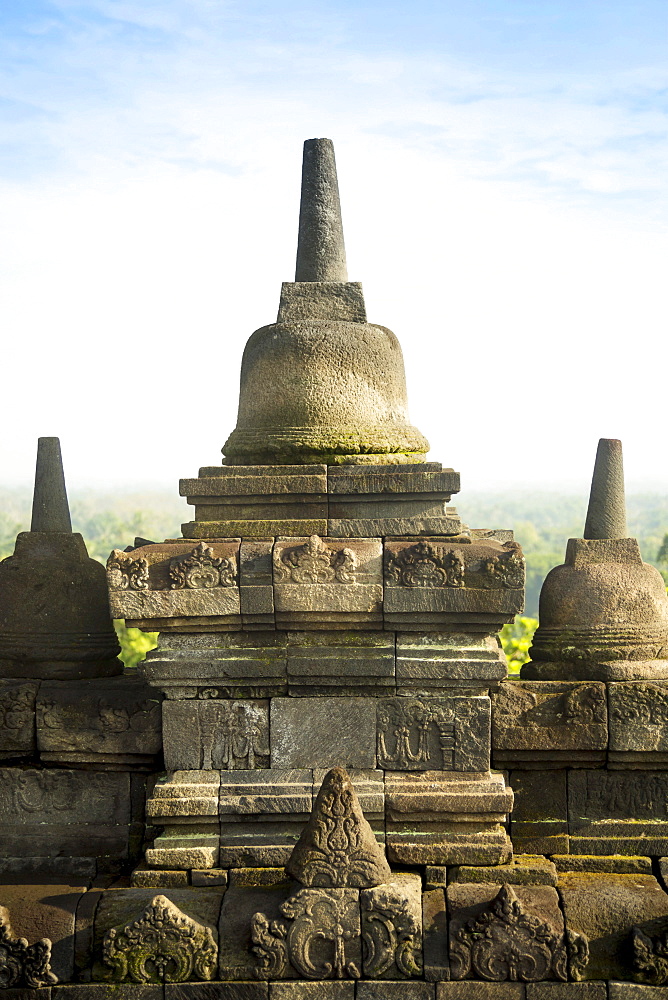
321 385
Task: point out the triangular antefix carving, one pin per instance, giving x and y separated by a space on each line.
337 848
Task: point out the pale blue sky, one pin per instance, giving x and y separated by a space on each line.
503 175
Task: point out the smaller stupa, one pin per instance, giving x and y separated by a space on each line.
604 613
321 385
54 607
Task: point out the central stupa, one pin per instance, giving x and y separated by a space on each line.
321 385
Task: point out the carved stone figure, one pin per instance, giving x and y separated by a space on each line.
650 956
161 945
337 847
23 964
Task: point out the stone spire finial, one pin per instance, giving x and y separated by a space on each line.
337 848
50 509
606 514
321 254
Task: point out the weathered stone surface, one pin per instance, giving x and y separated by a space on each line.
236 958
318 937
369 784
618 812
188 796
327 574
107 991
547 721
441 817
603 616
329 663
435 877
36 912
432 663
392 928
216 991
502 933
337 847
256 593
616 864
321 252
262 815
524 869
439 575
240 877
219 665
638 724
312 991
256 480
539 821
321 300
322 732
83 928
566 991
387 480
210 877
451 733
634 991
101 720
436 965
606 512
64 812
469 990
17 718
414 522
201 734
605 908
402 990
179 848
171 940
157 878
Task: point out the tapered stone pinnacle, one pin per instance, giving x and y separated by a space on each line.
50 509
606 514
321 254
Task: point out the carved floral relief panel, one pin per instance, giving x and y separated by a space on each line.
423 734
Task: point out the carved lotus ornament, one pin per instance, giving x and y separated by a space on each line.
23 964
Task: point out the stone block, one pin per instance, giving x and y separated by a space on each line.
258 480
539 821
402 990
616 864
185 796
111 720
312 991
549 723
618 812
484 936
45 910
605 908
440 575
216 991
17 718
158 878
208 877
262 815
392 928
327 574
106 991
256 593
436 965
434 663
327 621
201 734
468 990
175 579
419 519
185 916
236 959
450 733
247 528
638 724
177 848
435 877
441 817
566 991
323 732
634 991
336 662
524 869
219 665
388 480
321 300
246 877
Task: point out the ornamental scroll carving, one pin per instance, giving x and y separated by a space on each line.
161 945
391 935
322 940
126 573
650 956
409 732
425 565
200 570
233 735
23 964
314 562
505 571
504 943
